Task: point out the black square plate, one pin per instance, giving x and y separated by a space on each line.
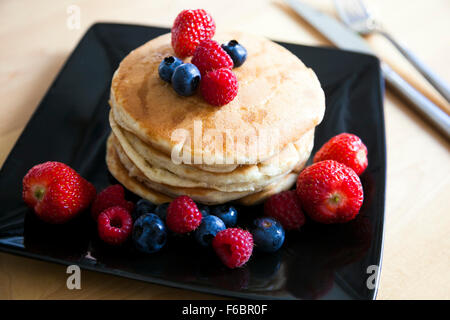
71 125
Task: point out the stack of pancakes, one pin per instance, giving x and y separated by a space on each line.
163 145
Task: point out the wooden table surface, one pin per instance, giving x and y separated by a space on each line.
36 40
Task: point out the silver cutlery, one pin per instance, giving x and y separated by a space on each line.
354 13
345 38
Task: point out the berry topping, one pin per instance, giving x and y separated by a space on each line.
161 211
285 207
56 192
219 87
167 67
330 192
347 149
210 56
228 214
234 246
149 233
114 225
268 234
189 28
143 206
186 79
236 51
110 197
208 229
183 215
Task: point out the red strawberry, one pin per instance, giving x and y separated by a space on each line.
209 56
114 225
345 148
219 87
285 207
56 192
330 192
234 246
183 215
191 27
110 197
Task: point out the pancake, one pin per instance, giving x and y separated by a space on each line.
284 184
159 168
121 173
279 100
204 195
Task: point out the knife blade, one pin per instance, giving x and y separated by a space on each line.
347 39
333 30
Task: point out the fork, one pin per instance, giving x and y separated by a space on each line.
355 15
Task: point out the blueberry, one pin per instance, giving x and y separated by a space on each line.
143 206
204 209
236 51
167 66
186 79
268 234
208 229
227 213
149 233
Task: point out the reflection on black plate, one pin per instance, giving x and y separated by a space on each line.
71 126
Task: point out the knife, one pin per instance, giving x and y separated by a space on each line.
347 39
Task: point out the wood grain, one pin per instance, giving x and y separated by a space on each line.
416 260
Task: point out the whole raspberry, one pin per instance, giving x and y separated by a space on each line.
189 28
114 225
234 246
330 192
56 192
110 197
183 215
345 148
219 87
285 207
209 56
